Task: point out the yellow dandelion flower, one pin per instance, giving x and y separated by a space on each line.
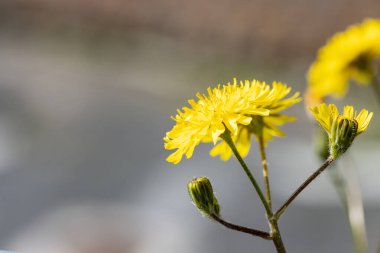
347 55
341 128
267 125
224 107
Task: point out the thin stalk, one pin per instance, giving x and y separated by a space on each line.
265 170
227 138
302 187
347 185
277 240
275 232
242 229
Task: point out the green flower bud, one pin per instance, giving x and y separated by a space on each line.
202 195
343 133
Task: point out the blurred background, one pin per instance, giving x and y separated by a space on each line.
87 89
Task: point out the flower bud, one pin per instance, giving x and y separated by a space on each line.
343 133
202 195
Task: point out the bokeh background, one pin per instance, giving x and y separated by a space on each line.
87 89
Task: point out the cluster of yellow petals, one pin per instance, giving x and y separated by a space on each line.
270 123
326 114
347 55
225 108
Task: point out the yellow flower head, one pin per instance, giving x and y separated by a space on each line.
225 108
267 126
347 55
341 129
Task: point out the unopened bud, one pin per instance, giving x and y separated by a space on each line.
343 133
202 195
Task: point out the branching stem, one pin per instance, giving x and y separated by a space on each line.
227 138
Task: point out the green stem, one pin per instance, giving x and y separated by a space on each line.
302 187
277 239
347 186
275 232
227 138
265 170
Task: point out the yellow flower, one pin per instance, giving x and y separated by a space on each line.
265 125
224 107
347 55
341 129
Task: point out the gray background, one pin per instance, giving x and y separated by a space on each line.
87 89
